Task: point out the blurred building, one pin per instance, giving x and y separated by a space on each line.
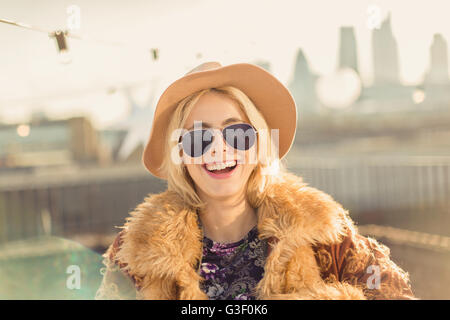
302 86
436 84
348 56
385 54
45 143
387 94
438 71
113 139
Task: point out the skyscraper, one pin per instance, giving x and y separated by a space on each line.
302 85
385 54
438 70
348 57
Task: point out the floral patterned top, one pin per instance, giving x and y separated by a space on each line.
232 270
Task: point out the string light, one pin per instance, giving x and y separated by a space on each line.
60 37
155 53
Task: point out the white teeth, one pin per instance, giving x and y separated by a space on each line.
220 166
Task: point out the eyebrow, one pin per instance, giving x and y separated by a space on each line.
225 122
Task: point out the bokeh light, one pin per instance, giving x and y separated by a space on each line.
340 89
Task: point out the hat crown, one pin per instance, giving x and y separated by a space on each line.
206 66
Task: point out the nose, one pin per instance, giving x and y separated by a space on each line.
218 144
219 151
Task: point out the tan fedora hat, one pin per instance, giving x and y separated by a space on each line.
268 94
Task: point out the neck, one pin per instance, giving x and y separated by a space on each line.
227 220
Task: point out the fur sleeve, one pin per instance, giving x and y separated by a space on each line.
116 283
364 263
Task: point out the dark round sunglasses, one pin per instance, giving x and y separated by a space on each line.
195 143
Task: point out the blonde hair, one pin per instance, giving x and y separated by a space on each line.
268 166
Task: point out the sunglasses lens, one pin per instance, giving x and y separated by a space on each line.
241 136
197 142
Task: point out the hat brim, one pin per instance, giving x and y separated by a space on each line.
269 95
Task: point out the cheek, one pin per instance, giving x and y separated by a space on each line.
188 161
248 158
247 169
194 171
198 176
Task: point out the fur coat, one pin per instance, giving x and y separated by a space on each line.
315 251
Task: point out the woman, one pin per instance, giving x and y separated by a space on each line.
233 224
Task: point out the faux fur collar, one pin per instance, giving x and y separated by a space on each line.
162 243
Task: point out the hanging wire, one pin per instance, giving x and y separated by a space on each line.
65 33
60 36
23 25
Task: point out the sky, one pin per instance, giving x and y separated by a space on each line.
32 77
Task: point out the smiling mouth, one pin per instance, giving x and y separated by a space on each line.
220 170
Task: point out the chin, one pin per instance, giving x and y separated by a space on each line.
222 191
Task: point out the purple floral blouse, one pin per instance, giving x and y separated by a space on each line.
232 270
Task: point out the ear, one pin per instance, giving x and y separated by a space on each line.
180 153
